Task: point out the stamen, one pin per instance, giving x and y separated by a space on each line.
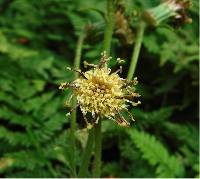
64 86
119 70
130 115
86 65
78 71
121 121
120 61
135 104
104 60
131 96
130 83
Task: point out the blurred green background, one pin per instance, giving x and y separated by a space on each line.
38 40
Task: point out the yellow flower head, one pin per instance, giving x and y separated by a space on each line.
103 93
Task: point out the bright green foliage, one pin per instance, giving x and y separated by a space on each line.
38 41
152 150
32 113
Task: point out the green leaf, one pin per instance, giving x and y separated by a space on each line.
157 155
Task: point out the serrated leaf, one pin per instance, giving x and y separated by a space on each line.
156 154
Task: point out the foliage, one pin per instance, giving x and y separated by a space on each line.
38 40
156 154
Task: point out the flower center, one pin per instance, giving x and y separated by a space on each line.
100 92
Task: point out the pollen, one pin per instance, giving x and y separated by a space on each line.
103 93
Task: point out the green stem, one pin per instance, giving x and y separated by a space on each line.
106 47
109 27
98 148
79 47
87 155
136 50
74 102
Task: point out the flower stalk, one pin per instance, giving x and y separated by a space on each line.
106 47
98 149
110 22
87 154
74 102
136 49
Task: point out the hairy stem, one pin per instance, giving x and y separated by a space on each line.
87 155
136 50
73 119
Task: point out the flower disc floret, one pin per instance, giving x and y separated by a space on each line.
100 93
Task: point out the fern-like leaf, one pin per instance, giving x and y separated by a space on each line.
157 155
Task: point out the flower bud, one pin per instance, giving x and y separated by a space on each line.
174 10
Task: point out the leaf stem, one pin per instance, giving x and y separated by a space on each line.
136 49
74 102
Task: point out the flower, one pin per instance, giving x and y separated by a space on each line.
103 93
175 10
